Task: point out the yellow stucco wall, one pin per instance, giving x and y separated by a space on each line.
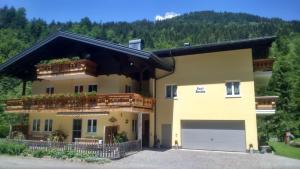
65 123
210 70
106 84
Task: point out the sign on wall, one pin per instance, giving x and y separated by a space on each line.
200 89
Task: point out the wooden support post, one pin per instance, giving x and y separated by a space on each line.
140 128
24 88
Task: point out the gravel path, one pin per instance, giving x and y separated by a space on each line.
171 159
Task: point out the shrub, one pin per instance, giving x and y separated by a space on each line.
55 153
39 153
17 135
4 131
11 148
120 137
57 136
27 152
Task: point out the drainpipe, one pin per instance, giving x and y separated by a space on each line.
155 115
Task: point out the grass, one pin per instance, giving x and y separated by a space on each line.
285 150
297 140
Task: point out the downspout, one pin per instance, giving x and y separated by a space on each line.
155 115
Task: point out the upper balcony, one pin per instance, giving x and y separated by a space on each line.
265 105
263 65
262 71
85 103
70 69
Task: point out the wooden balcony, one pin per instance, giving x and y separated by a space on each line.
88 103
263 65
71 69
266 104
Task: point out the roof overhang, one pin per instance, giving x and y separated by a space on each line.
259 45
111 58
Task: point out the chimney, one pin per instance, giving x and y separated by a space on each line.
186 44
136 44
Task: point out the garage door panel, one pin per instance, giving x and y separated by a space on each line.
213 135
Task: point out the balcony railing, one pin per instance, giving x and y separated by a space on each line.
265 103
263 64
82 66
83 102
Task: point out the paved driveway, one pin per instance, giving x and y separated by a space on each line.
171 159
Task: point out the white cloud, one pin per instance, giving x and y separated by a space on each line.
168 15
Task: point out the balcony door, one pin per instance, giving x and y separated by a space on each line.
77 125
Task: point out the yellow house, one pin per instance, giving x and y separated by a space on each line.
194 97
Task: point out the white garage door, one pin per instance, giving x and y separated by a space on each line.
213 135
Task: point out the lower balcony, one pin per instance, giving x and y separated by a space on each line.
85 103
265 105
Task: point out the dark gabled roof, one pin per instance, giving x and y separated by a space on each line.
149 57
255 43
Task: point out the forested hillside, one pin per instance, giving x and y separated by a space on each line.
18 33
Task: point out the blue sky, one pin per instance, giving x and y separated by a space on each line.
125 10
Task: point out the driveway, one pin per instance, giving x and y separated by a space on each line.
171 159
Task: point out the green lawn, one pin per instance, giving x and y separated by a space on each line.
285 150
297 140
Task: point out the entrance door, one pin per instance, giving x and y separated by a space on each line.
145 139
110 133
166 135
77 124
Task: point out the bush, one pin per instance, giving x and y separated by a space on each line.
11 148
27 152
39 153
17 135
57 136
120 137
4 131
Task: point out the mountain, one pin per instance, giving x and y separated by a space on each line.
18 33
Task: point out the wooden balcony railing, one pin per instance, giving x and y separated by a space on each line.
263 64
71 67
83 102
266 102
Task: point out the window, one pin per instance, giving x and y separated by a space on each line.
78 89
171 91
92 88
36 125
127 89
134 126
232 89
50 90
48 124
92 126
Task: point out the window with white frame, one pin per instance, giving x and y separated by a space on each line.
48 124
92 126
78 89
171 91
92 88
36 125
50 90
233 88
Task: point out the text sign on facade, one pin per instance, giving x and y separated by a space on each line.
200 89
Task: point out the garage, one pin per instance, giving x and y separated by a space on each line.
224 135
